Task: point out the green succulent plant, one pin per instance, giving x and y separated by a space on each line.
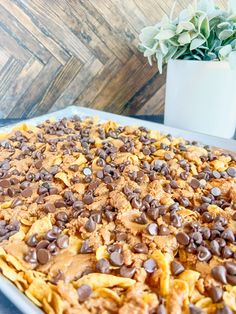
203 31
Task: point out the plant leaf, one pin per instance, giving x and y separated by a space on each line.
164 48
180 52
225 51
184 38
147 36
185 26
204 26
225 34
165 34
223 25
197 42
159 57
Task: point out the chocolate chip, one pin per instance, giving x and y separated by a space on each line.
163 230
150 265
110 216
14 181
90 225
196 237
206 233
84 292
40 200
146 151
176 220
167 157
27 192
215 191
103 266
114 248
182 238
60 203
31 256
127 272
216 174
135 203
219 274
38 164
62 216
231 268
85 248
52 248
227 252
140 248
5 183
228 235
16 202
206 199
195 184
116 259
54 170
174 184
121 236
231 172
142 219
88 199
176 268
152 229
49 208
87 171
69 198
215 247
43 256
63 241
42 190
184 201
222 220
74 168
153 213
231 279
32 240
100 174
10 192
77 205
204 255
216 294
50 235
207 217
42 244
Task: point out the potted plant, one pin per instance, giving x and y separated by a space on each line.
199 47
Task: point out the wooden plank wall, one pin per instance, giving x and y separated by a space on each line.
55 53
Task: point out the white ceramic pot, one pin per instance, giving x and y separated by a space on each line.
201 96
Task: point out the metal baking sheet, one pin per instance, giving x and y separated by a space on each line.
7 288
83 112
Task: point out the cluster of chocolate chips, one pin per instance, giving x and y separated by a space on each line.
116 258
225 274
12 187
7 229
208 241
41 250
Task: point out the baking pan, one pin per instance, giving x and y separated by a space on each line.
7 288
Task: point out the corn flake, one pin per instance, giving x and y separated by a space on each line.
95 281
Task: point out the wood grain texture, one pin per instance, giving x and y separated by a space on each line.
55 53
